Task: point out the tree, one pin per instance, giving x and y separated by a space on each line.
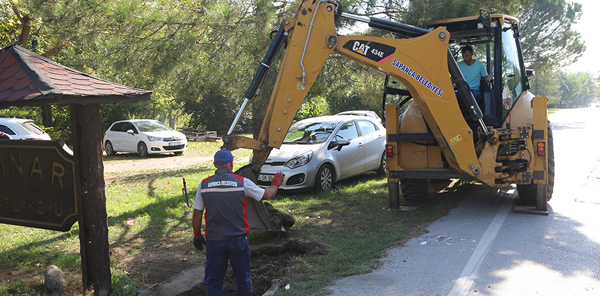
577 89
548 85
547 39
422 12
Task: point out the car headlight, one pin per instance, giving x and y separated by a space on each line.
299 160
151 138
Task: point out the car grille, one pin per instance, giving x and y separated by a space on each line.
293 180
171 139
263 183
275 163
173 147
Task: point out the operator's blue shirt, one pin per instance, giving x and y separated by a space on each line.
473 73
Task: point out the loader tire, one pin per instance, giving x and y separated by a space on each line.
528 193
414 189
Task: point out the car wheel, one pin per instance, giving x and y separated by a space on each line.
142 149
325 178
382 170
108 147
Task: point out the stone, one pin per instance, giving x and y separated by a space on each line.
276 285
54 278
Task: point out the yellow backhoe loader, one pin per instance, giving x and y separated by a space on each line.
436 130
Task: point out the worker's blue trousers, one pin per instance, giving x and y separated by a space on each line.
236 251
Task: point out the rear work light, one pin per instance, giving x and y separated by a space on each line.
389 150
541 149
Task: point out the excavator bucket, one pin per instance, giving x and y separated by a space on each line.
258 216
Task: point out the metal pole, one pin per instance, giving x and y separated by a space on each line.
237 117
305 45
359 18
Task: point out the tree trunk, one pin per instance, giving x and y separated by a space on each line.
47 116
93 219
26 31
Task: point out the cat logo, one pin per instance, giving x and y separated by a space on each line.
372 50
360 48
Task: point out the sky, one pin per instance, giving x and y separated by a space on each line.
589 61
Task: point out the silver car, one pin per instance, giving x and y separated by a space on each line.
144 136
317 152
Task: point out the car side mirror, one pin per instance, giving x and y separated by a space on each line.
341 143
130 131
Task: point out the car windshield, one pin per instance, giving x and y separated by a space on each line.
309 132
151 126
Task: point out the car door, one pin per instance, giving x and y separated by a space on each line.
372 144
116 136
130 141
349 158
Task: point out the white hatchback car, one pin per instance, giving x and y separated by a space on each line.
317 152
22 129
144 136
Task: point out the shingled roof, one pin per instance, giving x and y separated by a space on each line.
27 78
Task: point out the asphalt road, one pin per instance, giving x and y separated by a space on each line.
483 248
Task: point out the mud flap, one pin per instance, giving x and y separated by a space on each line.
541 205
258 216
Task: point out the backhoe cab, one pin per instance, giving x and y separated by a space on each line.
443 133
519 131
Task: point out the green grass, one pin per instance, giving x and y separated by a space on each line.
352 223
355 226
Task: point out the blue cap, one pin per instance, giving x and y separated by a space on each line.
223 156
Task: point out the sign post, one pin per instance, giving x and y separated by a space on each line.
93 219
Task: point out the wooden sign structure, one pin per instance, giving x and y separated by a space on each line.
38 184
28 79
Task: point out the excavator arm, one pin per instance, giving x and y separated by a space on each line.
421 62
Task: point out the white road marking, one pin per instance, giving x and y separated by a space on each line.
464 283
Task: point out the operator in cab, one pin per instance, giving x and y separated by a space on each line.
473 71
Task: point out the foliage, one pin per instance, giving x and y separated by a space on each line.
199 56
577 89
120 111
547 85
9 27
23 112
422 12
546 35
122 284
313 107
212 112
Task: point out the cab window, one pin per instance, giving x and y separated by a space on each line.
511 68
